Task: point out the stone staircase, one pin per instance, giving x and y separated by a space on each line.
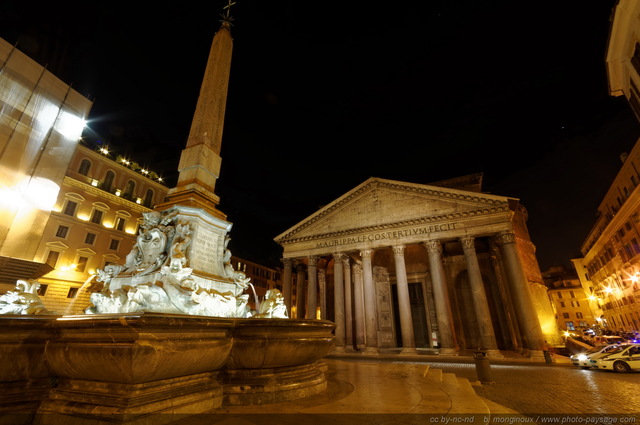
464 399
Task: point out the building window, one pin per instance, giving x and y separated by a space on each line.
62 231
85 166
579 315
129 190
70 208
72 292
42 290
52 258
559 295
90 239
635 246
120 222
148 198
114 245
570 326
562 304
96 216
81 264
108 181
565 315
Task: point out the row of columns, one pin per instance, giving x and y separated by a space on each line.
362 319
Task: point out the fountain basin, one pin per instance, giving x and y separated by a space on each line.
275 360
272 343
25 379
123 368
137 348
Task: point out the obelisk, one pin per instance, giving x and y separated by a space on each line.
192 202
200 160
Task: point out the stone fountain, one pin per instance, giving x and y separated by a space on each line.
160 341
170 333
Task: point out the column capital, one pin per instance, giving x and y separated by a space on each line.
338 256
287 262
503 238
398 249
357 267
433 246
468 242
299 266
366 253
313 260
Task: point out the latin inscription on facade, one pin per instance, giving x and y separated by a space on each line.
204 251
389 235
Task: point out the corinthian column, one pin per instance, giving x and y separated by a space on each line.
404 303
483 315
505 299
517 280
444 316
348 304
286 283
300 285
338 300
322 292
370 302
312 287
358 304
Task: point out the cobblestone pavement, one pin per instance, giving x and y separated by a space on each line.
555 389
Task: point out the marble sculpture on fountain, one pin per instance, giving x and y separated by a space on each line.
155 277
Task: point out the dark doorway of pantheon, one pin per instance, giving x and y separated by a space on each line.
418 315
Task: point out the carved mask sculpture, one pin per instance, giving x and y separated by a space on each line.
151 244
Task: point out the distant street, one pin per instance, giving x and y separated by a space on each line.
549 389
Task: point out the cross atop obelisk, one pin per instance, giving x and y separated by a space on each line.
200 161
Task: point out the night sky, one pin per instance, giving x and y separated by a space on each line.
324 95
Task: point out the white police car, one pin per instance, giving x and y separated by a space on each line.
623 359
583 360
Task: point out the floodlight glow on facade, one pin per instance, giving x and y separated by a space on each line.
69 125
41 193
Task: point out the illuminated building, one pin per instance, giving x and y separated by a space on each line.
94 222
66 210
571 304
434 266
611 251
41 120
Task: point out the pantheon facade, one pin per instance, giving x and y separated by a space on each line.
404 266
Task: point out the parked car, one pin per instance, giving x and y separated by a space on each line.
623 359
583 360
604 340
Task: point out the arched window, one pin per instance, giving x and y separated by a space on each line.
131 187
84 168
148 198
108 181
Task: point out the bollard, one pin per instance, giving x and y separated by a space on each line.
483 368
547 357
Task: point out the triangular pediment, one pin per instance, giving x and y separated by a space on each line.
378 203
